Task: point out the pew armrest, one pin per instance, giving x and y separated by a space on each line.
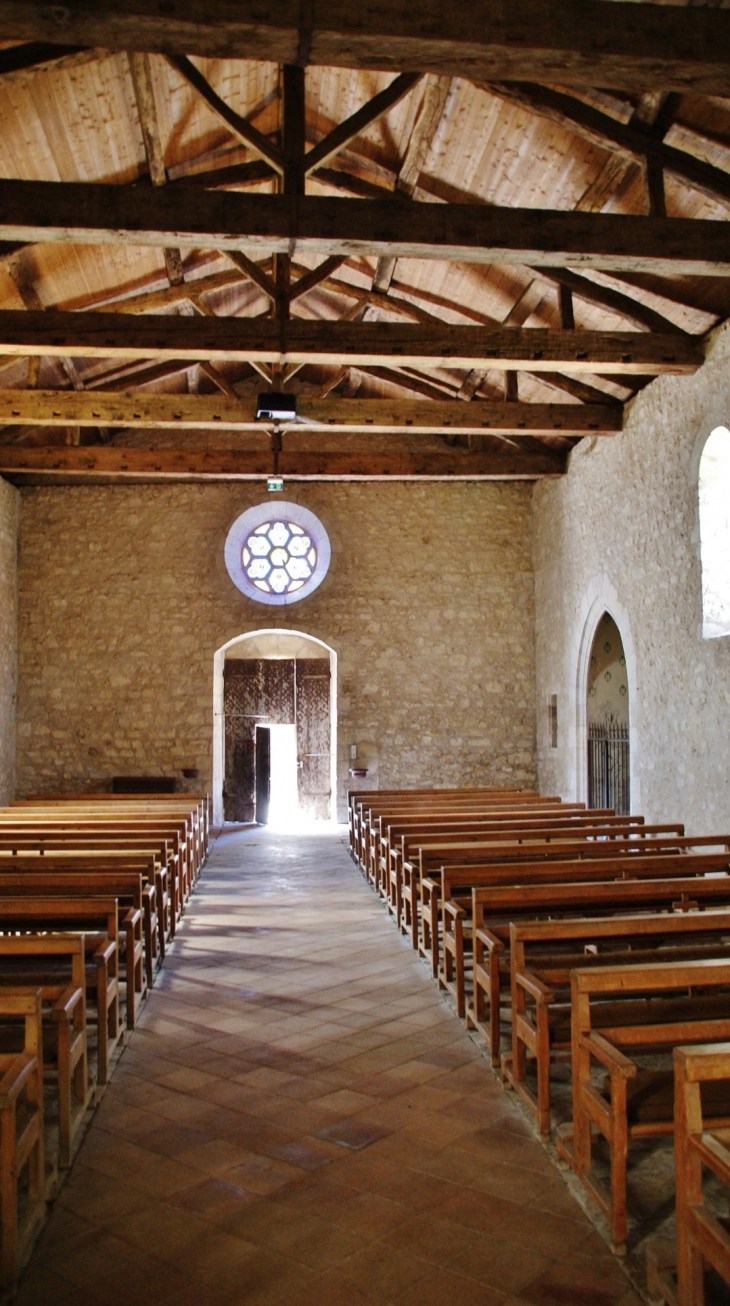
22 1068
533 985
608 1055
64 1007
490 940
451 908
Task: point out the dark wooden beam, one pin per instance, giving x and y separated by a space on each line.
79 213
35 55
576 43
116 463
309 280
413 344
340 136
240 127
58 408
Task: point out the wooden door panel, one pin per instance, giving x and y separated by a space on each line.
313 736
255 690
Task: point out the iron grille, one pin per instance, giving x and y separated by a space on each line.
608 767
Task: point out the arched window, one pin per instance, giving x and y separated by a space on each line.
714 489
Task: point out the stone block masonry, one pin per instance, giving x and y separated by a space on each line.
9 511
124 599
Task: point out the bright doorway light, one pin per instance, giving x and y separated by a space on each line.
284 811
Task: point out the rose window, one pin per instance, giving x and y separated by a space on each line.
279 557
277 552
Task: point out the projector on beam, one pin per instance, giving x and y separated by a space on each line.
275 407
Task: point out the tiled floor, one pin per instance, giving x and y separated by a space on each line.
301 1119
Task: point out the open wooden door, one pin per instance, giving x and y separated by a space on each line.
313 736
255 691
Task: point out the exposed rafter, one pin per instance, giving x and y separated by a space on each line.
576 43
95 335
80 213
503 463
376 416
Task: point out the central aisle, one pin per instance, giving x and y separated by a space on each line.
301 1118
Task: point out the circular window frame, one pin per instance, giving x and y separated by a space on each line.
250 520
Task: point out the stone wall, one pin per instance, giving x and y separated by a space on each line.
9 501
621 533
428 604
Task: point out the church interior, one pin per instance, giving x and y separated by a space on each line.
365 653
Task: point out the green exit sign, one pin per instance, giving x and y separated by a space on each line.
275 483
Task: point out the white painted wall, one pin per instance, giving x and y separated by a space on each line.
620 533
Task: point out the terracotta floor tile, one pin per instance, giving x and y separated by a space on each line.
300 1120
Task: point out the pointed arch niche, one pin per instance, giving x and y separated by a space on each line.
601 600
268 644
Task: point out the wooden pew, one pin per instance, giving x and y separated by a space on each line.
171 853
359 800
656 1006
366 813
679 1279
391 829
112 863
57 963
21 1135
128 888
542 956
190 819
84 841
495 907
587 860
97 919
401 841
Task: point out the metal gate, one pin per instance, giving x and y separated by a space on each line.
609 774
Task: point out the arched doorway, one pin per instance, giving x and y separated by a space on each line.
274 726
607 720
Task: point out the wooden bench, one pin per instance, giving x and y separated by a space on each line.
128 888
366 813
97 919
57 964
21 1135
106 863
360 801
655 1006
587 861
401 845
388 832
678 1278
171 852
372 818
494 908
542 956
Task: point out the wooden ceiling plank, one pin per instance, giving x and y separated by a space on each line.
224 464
92 335
244 130
608 133
604 297
414 160
340 136
80 213
145 411
144 94
576 43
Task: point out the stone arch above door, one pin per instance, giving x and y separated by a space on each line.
268 643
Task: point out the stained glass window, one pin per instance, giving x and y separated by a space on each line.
277 552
